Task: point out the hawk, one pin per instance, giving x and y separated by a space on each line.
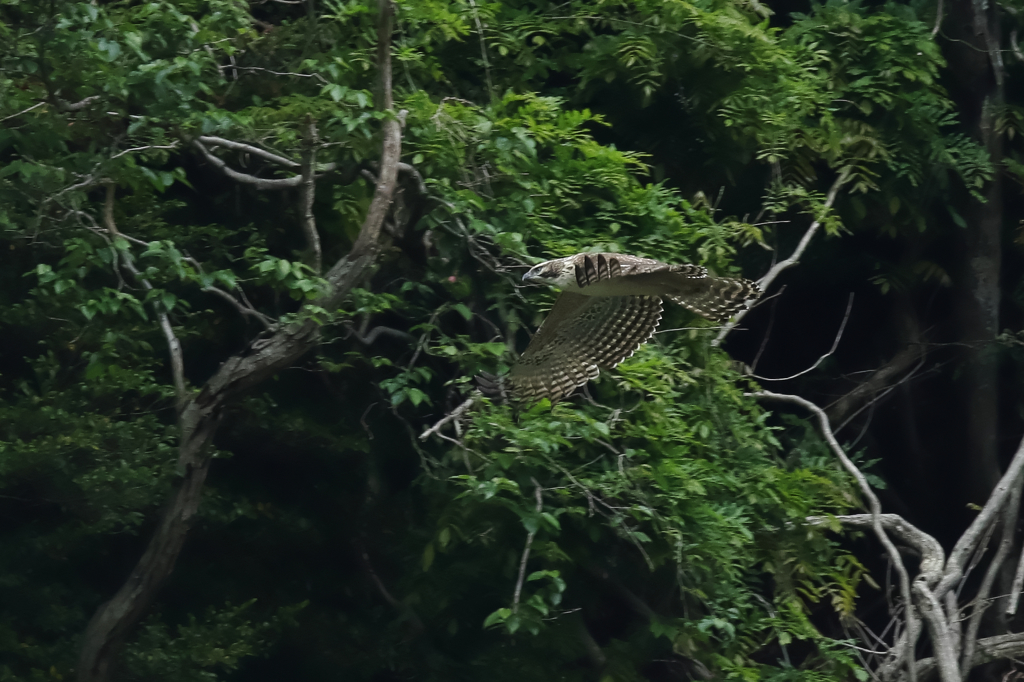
610 305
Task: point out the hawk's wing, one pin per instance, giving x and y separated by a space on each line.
716 298
580 335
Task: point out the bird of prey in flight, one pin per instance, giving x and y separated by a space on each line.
610 305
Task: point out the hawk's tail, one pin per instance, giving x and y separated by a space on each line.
719 298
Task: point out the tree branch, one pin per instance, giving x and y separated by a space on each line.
948 675
455 414
988 515
308 194
981 600
244 178
988 649
249 149
270 352
526 550
371 336
23 111
933 558
399 606
793 259
267 322
173 345
69 107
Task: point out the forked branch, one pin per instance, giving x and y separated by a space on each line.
875 508
272 351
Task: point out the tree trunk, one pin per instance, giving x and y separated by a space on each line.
200 415
976 66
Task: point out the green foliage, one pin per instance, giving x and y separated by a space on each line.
663 514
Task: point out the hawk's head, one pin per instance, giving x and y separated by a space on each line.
557 273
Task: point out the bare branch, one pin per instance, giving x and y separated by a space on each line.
526 550
399 606
139 149
981 600
1018 584
988 515
938 628
369 337
250 149
835 344
68 107
1014 46
933 558
876 509
270 352
173 345
455 414
308 194
276 73
989 649
793 259
267 322
259 183
23 111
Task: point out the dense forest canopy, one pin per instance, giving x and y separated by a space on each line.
253 254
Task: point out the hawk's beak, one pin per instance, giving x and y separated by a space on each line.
530 276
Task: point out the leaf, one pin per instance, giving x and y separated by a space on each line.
428 557
957 218
499 616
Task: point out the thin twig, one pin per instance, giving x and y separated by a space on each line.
23 111
276 73
139 149
266 321
767 333
835 344
371 336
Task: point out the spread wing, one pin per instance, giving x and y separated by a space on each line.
581 335
716 298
